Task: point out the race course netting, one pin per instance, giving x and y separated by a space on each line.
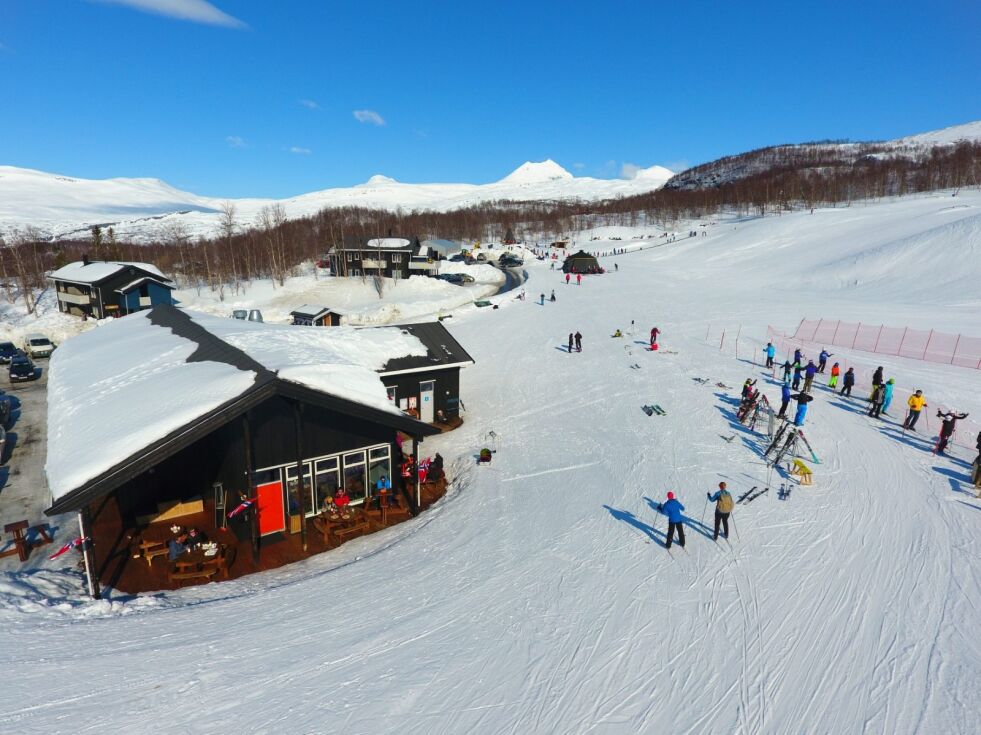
915 344
967 429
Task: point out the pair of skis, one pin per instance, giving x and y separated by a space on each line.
784 492
654 409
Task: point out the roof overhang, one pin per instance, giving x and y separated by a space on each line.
426 368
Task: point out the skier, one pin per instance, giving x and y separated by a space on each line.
803 399
541 299
809 373
747 388
654 333
877 377
823 360
784 400
616 267
876 401
917 402
950 420
847 382
798 356
579 279
570 342
887 395
797 369
723 507
672 509
771 352
553 295
567 277
786 372
835 372
578 342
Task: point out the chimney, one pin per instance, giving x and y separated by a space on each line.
85 258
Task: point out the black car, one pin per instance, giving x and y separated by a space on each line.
7 350
510 261
21 368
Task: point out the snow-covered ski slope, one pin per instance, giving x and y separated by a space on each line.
537 598
143 209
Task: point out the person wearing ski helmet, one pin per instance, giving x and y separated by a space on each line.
797 371
784 400
673 510
809 373
947 428
723 507
803 398
771 352
786 371
847 381
835 372
823 360
887 395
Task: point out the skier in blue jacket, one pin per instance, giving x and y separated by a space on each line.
809 373
672 509
890 384
823 360
771 352
784 400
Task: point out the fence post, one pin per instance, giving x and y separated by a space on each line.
856 335
818 329
899 352
954 353
707 332
876 348
723 340
927 345
835 335
740 331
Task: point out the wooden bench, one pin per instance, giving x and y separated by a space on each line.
206 572
150 550
21 547
354 527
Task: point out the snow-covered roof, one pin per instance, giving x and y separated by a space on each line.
133 284
80 272
389 243
312 310
116 390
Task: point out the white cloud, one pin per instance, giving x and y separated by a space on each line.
368 116
196 11
300 151
236 141
310 104
629 170
579 165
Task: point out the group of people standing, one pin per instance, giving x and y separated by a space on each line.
674 510
575 339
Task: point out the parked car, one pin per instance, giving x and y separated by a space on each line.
510 261
7 350
242 314
463 258
466 278
21 368
37 345
456 278
481 258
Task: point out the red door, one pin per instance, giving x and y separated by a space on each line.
272 511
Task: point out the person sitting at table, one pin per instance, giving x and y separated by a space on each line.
342 500
177 545
383 484
196 537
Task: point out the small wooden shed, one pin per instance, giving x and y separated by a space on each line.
315 316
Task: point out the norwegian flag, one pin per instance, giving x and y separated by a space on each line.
242 507
69 546
424 464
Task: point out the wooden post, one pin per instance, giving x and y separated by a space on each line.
929 339
298 433
90 573
250 486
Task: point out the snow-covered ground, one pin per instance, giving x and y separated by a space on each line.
537 596
144 209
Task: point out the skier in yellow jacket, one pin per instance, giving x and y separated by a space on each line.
917 402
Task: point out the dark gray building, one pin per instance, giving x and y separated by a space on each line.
109 288
391 257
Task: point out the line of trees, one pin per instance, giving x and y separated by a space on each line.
775 179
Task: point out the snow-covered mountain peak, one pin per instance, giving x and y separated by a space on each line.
380 180
945 136
531 172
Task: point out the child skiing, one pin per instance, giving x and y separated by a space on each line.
887 395
876 400
786 372
570 342
672 509
797 370
723 507
835 372
654 333
784 400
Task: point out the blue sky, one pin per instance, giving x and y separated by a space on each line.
261 98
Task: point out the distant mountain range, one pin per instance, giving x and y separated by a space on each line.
64 207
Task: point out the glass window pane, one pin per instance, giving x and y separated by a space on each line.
328 480
353 458
354 482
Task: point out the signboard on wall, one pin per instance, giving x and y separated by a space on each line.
413 402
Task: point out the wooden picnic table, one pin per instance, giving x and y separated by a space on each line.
196 564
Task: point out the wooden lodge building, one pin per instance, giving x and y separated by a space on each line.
215 415
391 257
312 315
107 288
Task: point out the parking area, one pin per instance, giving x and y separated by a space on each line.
23 490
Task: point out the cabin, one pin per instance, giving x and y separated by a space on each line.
428 386
170 420
109 288
390 257
581 262
310 315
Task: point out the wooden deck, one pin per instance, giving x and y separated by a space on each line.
124 567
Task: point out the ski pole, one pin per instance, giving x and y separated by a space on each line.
732 517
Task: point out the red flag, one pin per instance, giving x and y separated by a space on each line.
67 547
243 506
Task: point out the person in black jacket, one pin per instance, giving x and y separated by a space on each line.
947 428
847 381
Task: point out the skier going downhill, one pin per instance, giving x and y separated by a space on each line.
673 509
947 428
723 507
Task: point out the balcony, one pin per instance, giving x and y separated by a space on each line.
370 264
74 298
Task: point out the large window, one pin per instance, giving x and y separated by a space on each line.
328 480
296 498
354 476
379 465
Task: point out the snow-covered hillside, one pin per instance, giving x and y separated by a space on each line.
537 596
141 209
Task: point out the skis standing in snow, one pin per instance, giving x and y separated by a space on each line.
723 507
673 509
